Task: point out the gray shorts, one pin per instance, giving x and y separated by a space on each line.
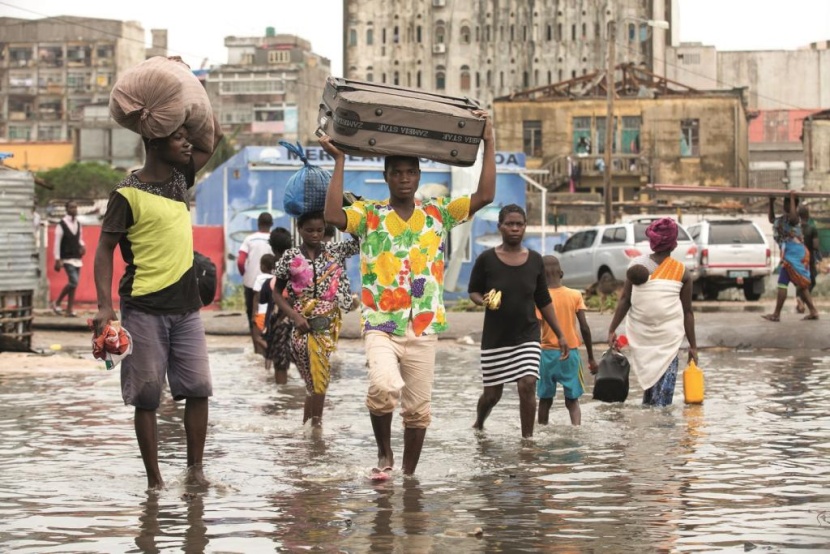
164 345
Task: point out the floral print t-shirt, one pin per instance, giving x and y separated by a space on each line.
402 262
323 279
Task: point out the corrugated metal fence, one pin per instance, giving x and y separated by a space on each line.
18 255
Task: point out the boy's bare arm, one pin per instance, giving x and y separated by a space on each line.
585 330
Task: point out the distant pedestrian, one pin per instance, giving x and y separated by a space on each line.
247 262
277 325
69 251
811 241
511 342
570 314
795 258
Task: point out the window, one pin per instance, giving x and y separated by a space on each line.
487 33
465 35
601 136
501 79
247 59
17 132
396 78
573 31
418 79
582 135
489 78
440 78
613 235
396 37
525 79
632 32
48 132
512 35
279 56
418 34
478 79
584 31
478 34
689 138
370 36
532 138
524 33
631 135
383 36
352 37
558 32
465 77
440 33
549 32
580 240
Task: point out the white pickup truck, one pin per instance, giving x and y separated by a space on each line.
733 254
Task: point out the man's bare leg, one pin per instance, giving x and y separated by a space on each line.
527 404
574 411
544 410
486 402
146 431
413 442
195 427
382 427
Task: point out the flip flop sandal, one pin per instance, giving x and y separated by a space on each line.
770 317
381 474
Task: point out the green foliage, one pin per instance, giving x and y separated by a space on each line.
593 303
78 180
464 305
234 300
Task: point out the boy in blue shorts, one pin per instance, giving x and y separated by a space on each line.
570 310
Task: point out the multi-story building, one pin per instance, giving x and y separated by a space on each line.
53 69
816 140
490 48
269 90
779 105
663 132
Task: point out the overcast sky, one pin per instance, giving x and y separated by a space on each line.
195 35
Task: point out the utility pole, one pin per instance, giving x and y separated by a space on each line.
610 87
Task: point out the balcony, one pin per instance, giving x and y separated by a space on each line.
561 170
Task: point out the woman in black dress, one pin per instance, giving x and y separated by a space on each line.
510 344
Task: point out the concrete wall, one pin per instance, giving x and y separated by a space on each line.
724 155
37 156
775 79
817 154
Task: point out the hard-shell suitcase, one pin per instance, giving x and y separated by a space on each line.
373 119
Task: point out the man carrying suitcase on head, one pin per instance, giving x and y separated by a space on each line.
402 268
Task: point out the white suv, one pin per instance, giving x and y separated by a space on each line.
733 254
603 252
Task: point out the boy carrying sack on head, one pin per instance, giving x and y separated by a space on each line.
570 310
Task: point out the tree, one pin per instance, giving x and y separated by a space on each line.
78 180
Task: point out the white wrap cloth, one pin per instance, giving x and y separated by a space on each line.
654 326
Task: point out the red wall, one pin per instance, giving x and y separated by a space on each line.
210 241
778 125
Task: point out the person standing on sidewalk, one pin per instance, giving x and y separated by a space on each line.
69 250
253 248
148 215
402 269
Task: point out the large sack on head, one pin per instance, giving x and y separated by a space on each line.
305 191
158 96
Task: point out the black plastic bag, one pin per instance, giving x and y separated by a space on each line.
611 383
205 277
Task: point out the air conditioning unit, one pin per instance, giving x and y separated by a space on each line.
439 48
439 3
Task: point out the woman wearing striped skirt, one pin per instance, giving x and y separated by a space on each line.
510 343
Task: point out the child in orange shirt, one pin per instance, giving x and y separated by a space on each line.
570 310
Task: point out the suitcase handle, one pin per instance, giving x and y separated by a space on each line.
470 104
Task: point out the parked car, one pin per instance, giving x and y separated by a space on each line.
733 254
604 252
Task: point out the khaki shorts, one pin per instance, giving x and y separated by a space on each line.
164 346
401 368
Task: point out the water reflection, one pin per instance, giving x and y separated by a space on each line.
746 469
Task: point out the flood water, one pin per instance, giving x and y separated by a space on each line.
747 469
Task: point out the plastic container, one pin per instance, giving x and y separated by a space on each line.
693 384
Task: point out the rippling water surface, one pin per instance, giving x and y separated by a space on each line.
747 469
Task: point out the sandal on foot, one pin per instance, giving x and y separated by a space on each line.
57 309
381 474
810 317
771 317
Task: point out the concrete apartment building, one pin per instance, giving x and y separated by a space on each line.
663 133
490 48
269 90
53 70
783 88
817 151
